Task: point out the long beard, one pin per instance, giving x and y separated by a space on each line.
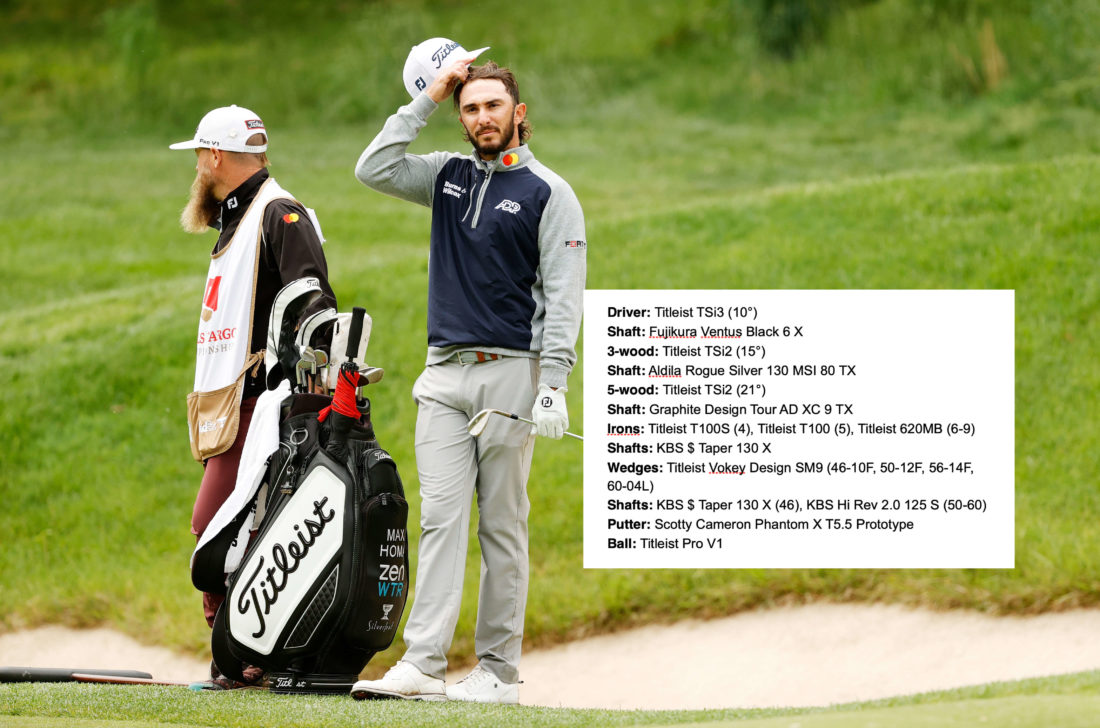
202 207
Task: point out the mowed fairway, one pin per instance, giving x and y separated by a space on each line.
1069 701
1077 711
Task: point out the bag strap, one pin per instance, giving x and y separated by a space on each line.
253 362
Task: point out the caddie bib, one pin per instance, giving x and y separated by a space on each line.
225 324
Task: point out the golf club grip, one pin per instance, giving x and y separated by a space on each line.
355 332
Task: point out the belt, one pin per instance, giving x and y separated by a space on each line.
472 357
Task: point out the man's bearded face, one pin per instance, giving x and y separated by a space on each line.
491 137
203 207
488 116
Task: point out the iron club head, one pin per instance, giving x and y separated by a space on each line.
480 421
370 375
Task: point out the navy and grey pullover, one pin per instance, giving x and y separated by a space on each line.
506 268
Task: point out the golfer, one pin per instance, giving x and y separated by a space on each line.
506 276
266 239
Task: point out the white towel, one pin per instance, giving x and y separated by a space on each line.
261 440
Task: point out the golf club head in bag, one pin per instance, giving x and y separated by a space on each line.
344 410
340 346
331 330
281 356
314 335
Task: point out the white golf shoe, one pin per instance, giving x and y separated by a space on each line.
403 681
482 686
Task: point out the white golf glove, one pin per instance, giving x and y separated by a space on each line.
551 417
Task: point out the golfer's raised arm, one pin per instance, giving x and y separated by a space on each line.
384 166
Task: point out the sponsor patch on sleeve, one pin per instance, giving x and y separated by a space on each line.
290 217
575 244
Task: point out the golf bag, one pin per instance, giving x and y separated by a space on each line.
321 585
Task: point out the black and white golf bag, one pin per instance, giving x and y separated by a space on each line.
322 582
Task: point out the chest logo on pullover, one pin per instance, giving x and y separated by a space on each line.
508 206
449 188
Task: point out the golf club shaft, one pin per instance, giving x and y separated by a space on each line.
531 422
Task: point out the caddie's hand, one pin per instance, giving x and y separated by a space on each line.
551 417
444 84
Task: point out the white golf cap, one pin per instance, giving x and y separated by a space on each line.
227 128
427 59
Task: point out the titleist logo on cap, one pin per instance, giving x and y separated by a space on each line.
443 52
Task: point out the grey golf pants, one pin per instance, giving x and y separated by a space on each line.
453 467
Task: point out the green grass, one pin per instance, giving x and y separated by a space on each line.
1069 700
105 453
1035 711
124 66
100 450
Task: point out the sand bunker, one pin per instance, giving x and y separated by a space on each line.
793 656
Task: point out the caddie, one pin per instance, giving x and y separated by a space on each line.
266 239
506 276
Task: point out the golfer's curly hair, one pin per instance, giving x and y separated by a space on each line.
505 76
